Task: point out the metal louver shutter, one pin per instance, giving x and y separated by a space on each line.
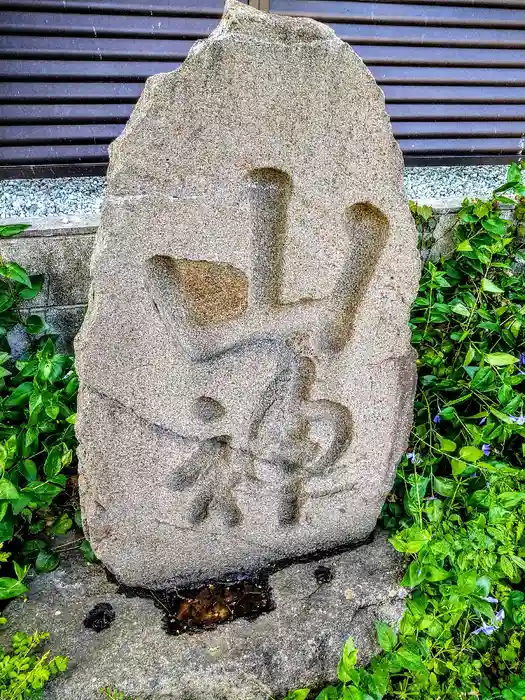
453 73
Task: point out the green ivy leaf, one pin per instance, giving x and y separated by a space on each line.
13 271
11 588
34 324
347 662
500 359
445 487
62 525
386 636
21 394
489 286
88 553
494 225
13 230
511 499
37 282
53 463
464 246
458 466
8 490
446 445
46 561
471 454
299 694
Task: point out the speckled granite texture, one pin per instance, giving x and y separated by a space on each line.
65 196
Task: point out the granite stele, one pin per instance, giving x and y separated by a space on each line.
246 373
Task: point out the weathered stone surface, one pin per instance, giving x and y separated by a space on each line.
298 644
246 373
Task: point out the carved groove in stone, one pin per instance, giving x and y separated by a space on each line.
269 194
207 292
281 426
208 469
368 231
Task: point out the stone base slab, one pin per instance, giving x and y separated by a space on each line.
298 644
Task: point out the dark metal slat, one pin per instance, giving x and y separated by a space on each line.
84 70
393 13
454 93
31 155
49 170
450 129
70 92
435 112
39 134
11 69
43 23
431 36
73 47
438 56
64 113
461 146
67 47
31 134
113 113
163 7
426 75
19 155
49 23
209 6
512 4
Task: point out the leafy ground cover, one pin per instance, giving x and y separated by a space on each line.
457 509
37 438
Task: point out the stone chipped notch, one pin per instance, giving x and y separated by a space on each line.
246 373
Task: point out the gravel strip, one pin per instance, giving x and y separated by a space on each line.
61 196
454 181
66 196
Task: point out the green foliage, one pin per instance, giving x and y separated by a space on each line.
425 222
37 439
23 674
458 506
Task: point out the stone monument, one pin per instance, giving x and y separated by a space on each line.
246 373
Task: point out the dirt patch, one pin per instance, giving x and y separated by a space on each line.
100 617
209 605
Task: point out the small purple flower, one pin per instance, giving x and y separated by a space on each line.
437 418
500 615
483 421
412 456
473 475
521 362
431 498
485 629
490 599
519 420
486 450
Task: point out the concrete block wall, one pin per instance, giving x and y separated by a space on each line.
60 249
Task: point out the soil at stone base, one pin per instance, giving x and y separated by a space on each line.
205 607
